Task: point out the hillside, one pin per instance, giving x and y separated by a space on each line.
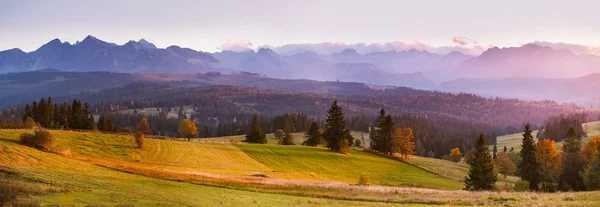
87 169
515 140
54 179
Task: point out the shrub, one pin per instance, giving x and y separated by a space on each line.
139 139
521 186
234 140
363 180
8 194
455 155
41 139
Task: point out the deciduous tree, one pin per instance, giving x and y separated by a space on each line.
187 129
404 139
455 155
505 165
139 140
591 176
143 126
548 159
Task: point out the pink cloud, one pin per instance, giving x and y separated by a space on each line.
237 45
574 48
464 41
326 48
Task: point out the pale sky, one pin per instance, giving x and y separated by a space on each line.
207 25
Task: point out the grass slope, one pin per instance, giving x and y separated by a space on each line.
514 140
309 163
54 179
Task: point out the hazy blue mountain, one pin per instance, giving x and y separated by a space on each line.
528 61
92 54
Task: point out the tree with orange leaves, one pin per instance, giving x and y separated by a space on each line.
590 149
548 159
404 140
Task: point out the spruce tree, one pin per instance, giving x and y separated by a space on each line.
313 136
255 135
377 132
572 163
528 167
482 173
495 151
336 133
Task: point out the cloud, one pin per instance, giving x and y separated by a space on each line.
464 41
237 45
326 48
574 48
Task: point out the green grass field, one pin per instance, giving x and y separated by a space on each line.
319 163
54 179
107 170
514 140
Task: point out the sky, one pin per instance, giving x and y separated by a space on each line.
216 25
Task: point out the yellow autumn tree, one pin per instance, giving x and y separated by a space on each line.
548 159
590 148
455 155
406 146
187 129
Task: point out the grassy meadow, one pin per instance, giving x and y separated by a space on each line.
84 169
514 140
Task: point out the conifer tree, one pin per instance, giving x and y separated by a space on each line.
572 163
255 135
505 149
482 173
495 151
529 168
288 139
313 136
336 133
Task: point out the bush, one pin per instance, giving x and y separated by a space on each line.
521 186
139 139
8 194
234 140
363 180
41 139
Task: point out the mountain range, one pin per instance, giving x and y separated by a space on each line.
530 71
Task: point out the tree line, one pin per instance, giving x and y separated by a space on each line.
540 165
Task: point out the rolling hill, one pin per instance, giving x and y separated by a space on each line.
92 168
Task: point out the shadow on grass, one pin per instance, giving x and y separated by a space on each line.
9 140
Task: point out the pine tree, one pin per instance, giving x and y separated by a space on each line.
288 139
529 168
482 173
255 135
336 133
495 151
505 149
378 133
572 163
313 136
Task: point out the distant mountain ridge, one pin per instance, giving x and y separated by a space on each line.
411 68
93 54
